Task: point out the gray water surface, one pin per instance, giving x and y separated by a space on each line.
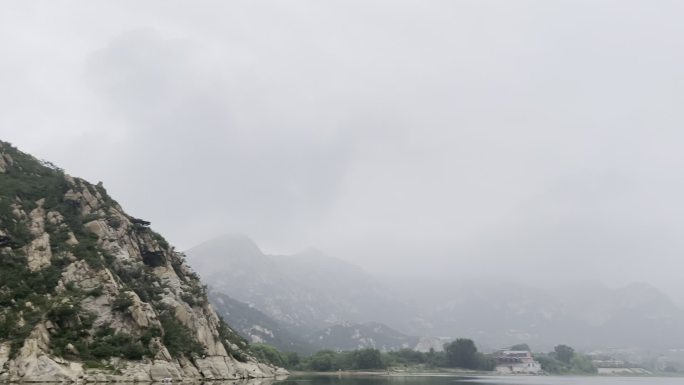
485 380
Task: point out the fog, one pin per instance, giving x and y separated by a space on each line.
530 140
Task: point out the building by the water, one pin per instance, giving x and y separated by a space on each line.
516 361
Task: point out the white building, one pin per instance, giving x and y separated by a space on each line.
516 362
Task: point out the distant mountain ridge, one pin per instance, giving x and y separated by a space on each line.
375 335
316 297
256 326
304 292
637 315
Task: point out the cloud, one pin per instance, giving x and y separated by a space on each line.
490 138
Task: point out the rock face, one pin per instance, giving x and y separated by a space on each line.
257 327
374 335
89 292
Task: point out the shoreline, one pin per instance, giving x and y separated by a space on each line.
466 374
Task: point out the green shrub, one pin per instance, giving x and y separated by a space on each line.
106 344
122 302
269 354
178 338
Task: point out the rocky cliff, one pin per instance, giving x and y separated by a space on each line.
88 292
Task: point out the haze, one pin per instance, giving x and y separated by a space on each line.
530 140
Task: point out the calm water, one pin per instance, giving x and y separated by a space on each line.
451 380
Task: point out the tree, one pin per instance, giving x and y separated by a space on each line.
549 364
292 359
462 353
524 347
322 361
564 353
485 362
268 354
583 364
367 359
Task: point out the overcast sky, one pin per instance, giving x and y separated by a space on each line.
520 139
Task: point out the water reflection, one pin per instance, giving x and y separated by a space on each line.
460 380
446 379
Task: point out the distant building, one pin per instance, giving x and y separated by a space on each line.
608 363
516 362
611 366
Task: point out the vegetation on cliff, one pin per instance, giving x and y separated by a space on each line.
101 283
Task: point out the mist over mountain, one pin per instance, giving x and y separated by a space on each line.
586 316
347 336
258 327
507 171
305 291
332 303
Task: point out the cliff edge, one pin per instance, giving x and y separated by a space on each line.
90 293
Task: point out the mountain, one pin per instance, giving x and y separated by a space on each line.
313 295
359 336
256 326
303 292
585 316
91 293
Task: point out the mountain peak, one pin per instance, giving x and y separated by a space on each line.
85 282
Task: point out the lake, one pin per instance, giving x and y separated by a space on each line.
484 380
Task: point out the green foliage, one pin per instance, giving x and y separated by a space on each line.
122 302
177 261
292 359
564 360
114 222
269 354
550 364
19 283
328 360
564 353
160 240
27 181
228 338
88 250
195 295
150 333
367 359
27 298
108 202
322 361
72 328
363 359
64 314
485 362
406 357
521 347
582 364
106 344
153 258
22 295
462 353
141 280
178 338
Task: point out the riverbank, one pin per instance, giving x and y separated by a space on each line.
450 372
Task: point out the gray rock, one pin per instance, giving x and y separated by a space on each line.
129 246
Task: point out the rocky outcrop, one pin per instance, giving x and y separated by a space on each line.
34 363
38 252
107 287
4 354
